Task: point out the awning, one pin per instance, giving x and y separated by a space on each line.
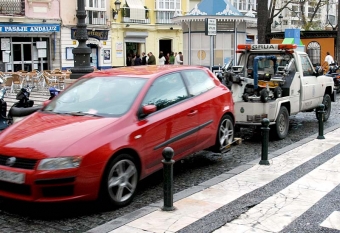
137 10
135 37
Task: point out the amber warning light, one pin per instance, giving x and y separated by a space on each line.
266 46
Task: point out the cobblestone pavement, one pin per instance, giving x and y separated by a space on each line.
80 217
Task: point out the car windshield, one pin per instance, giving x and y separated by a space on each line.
99 96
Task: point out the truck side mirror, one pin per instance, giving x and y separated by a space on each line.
318 71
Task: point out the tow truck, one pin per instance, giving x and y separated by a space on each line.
275 81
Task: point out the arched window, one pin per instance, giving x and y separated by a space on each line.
313 51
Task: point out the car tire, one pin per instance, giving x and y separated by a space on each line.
225 133
119 183
328 107
281 126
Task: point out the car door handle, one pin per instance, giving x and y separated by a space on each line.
192 113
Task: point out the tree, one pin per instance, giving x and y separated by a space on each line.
266 14
262 17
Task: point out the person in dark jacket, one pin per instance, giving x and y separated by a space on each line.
144 58
152 59
138 61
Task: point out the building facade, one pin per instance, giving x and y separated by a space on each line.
145 26
98 22
29 34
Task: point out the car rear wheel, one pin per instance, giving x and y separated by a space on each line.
225 133
120 180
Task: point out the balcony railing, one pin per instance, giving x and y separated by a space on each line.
164 17
126 16
12 7
95 17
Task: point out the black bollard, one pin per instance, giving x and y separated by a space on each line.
168 187
320 111
265 139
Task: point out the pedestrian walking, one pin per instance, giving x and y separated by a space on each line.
171 58
152 59
144 58
138 60
161 59
178 59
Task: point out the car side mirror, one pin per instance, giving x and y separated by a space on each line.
148 109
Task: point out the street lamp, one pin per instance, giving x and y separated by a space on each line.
116 10
81 53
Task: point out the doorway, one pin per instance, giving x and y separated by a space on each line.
165 46
22 56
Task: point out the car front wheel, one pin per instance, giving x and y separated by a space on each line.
120 180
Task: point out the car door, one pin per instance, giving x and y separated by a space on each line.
309 81
208 103
173 124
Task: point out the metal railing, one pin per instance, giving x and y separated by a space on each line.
95 17
164 17
12 7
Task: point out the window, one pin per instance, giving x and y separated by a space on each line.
168 4
165 91
313 51
198 82
95 11
306 66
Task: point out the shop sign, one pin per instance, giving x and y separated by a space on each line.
9 28
97 34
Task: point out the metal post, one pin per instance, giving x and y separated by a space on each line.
81 54
320 111
211 52
265 139
168 187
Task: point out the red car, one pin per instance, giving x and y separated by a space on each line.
107 131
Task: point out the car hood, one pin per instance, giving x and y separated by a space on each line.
47 135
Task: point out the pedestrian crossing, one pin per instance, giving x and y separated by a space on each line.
260 199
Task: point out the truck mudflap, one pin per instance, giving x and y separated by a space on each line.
333 96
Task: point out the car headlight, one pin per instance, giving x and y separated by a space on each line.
59 163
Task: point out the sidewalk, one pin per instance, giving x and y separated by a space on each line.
298 192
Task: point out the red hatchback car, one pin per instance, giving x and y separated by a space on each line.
107 131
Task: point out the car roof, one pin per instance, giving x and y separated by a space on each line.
145 71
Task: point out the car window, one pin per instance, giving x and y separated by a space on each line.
165 91
306 66
104 96
198 81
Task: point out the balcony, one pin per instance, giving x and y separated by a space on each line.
164 17
12 7
126 16
95 17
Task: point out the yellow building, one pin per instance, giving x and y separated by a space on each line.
139 26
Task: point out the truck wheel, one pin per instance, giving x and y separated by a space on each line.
282 123
277 92
264 95
328 106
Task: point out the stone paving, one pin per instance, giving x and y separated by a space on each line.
272 214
